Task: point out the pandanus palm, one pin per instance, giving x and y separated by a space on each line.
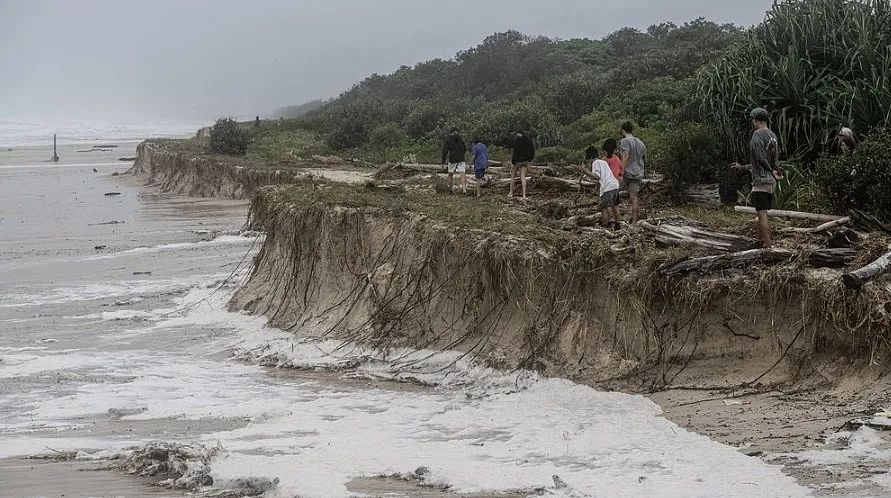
816 65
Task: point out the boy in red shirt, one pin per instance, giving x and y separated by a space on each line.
614 161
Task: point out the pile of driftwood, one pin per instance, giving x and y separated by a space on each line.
740 252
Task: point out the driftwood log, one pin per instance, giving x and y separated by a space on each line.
705 194
825 227
857 278
684 235
725 261
833 257
779 213
541 170
843 238
869 222
547 182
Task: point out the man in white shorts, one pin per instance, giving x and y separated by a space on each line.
453 151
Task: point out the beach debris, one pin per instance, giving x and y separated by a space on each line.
799 215
181 466
686 235
112 194
752 452
118 413
843 238
100 248
703 194
869 222
126 159
880 420
858 278
725 261
142 273
112 222
243 487
825 227
126 302
832 257
106 146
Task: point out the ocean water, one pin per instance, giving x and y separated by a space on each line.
115 331
22 132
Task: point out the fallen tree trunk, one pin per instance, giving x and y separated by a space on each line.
543 170
843 238
779 213
683 235
546 181
869 222
833 257
825 227
858 278
726 261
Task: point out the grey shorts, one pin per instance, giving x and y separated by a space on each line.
633 185
609 199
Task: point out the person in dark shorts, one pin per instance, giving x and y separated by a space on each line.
763 151
609 187
521 158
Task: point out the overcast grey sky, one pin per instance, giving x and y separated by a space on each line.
197 59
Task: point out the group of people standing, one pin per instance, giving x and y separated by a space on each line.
622 164
612 171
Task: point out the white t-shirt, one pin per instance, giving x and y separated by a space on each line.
607 179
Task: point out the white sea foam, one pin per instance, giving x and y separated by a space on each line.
222 240
111 290
607 444
314 436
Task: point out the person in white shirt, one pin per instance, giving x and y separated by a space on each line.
609 188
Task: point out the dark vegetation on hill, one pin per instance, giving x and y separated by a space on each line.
816 65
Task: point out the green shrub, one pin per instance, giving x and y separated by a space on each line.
423 119
498 121
687 153
860 179
558 155
385 136
796 191
279 145
227 137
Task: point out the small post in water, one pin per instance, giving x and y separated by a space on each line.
55 155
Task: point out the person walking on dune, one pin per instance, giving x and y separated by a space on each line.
609 187
453 151
521 158
615 163
634 157
763 152
480 154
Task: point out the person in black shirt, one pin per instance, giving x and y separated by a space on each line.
453 151
521 159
